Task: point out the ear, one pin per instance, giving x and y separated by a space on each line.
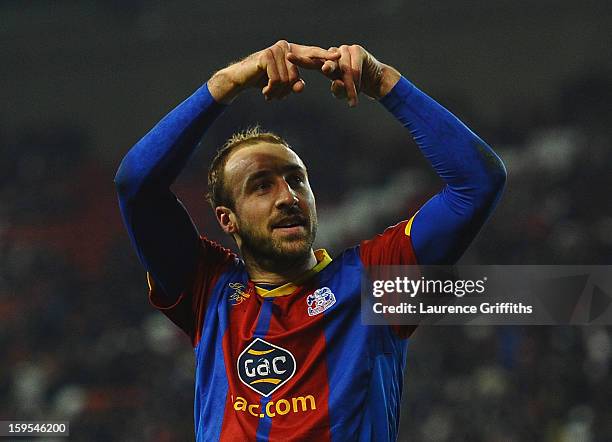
226 219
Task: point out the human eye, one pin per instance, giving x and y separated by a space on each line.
262 186
296 179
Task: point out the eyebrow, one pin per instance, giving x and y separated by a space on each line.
266 172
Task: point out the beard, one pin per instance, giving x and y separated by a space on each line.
277 252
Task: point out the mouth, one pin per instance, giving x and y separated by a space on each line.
290 225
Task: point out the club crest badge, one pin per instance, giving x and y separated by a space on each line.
320 300
265 367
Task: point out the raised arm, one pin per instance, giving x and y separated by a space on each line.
159 227
474 175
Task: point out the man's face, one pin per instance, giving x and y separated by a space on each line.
274 207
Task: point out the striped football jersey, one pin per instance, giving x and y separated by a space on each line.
293 362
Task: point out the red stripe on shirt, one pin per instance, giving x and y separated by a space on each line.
293 329
392 247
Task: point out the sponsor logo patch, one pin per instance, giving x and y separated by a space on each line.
265 367
280 407
320 300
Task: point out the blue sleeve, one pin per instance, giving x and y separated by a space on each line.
159 227
473 174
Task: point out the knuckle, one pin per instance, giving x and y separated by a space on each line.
282 43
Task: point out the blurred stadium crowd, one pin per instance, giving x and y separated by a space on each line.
81 343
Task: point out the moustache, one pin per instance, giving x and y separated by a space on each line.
295 218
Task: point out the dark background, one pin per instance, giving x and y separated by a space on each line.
82 81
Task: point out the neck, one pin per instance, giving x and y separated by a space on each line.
265 271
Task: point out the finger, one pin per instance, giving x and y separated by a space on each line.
314 52
278 50
332 66
304 62
298 86
292 70
281 65
338 89
337 86
294 78
330 70
347 75
270 90
356 64
273 77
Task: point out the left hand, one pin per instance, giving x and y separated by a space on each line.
355 71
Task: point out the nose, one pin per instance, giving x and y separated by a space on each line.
286 195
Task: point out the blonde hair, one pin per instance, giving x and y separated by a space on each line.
217 194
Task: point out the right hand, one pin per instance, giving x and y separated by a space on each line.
268 69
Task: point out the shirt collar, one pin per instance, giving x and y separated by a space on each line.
323 260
